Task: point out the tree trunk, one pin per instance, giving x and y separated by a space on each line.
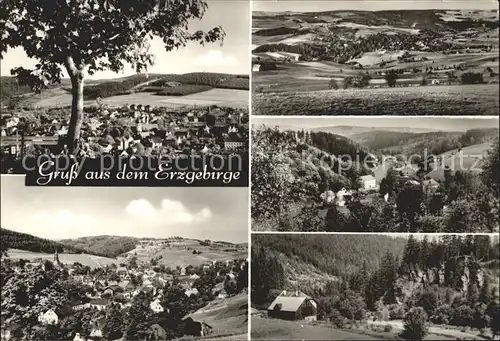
76 120
75 123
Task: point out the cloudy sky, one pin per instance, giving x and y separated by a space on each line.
368 5
232 57
71 212
431 123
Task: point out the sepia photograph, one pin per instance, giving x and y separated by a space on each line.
375 174
93 264
398 57
374 287
108 78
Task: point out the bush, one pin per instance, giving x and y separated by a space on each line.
472 78
415 324
387 328
391 78
396 311
337 319
333 84
441 315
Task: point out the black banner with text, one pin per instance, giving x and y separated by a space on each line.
109 171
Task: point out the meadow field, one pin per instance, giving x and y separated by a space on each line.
448 100
221 97
66 258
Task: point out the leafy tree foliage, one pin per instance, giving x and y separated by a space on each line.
87 36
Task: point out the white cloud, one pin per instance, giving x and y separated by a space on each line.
169 213
215 58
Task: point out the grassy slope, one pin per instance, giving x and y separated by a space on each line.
226 316
182 255
66 258
447 100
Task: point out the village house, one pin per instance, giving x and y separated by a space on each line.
49 317
79 337
293 306
368 182
190 292
97 326
156 306
430 185
156 332
99 303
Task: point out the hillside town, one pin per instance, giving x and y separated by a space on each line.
133 300
125 131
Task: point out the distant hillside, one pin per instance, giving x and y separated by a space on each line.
22 241
337 255
435 142
354 131
107 246
10 90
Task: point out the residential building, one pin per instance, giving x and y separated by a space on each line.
156 306
293 306
49 317
368 182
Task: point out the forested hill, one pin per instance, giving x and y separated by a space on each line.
293 167
414 143
337 255
23 241
106 246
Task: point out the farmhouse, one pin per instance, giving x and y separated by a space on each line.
156 306
264 66
368 182
294 306
99 303
49 317
157 332
78 337
430 185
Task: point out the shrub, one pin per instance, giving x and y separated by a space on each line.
472 78
337 319
333 84
348 82
415 324
391 78
441 315
396 311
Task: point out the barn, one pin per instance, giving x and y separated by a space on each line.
293 306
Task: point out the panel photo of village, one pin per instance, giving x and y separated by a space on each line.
115 265
385 174
165 88
374 287
375 58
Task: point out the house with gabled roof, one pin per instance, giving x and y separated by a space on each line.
293 306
